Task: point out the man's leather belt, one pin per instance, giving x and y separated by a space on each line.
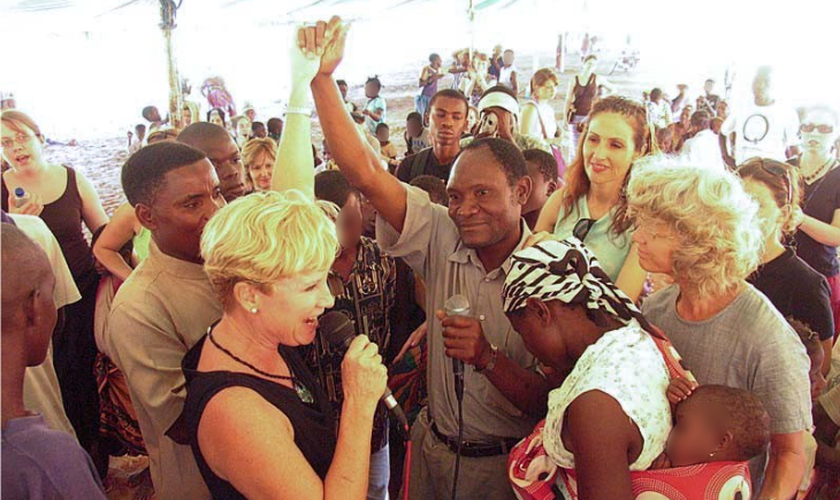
476 450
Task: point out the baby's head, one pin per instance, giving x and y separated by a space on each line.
718 423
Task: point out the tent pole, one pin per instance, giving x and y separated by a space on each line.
168 10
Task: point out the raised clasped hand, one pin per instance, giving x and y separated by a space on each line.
319 48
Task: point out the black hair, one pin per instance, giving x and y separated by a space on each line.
147 112
414 115
508 50
746 418
340 83
199 134
700 120
143 174
709 80
382 125
506 154
433 56
434 186
374 80
221 114
140 126
273 123
332 186
257 126
450 94
545 162
500 88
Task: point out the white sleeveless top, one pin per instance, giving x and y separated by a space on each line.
545 113
627 365
504 76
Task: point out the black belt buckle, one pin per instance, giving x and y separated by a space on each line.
475 450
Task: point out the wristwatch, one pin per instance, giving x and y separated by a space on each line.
494 355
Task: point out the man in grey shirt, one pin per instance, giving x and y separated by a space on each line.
748 345
467 252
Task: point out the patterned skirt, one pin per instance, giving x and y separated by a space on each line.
118 422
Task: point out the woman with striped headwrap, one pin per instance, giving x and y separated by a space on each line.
609 419
611 414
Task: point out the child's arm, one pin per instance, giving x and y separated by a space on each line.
661 462
680 389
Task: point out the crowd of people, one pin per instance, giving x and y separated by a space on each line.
653 295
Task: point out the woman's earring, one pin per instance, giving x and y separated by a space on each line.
254 310
711 455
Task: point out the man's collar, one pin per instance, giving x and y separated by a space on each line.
463 254
175 266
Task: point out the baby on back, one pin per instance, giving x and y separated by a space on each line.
714 423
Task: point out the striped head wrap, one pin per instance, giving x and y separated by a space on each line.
566 271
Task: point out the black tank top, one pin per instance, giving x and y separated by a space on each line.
314 434
64 218
584 95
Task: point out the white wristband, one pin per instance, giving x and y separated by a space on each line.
292 110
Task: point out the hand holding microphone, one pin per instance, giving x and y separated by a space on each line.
362 373
464 338
364 377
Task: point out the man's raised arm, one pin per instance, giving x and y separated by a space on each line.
359 163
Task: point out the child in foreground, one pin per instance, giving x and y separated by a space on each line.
713 423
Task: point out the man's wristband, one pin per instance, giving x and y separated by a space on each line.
294 110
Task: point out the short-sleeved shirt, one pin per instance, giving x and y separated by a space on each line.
797 291
820 201
41 391
366 297
610 249
748 345
40 463
626 365
659 113
162 310
430 244
416 144
373 105
762 131
423 163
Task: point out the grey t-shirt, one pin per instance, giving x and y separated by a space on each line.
40 463
748 345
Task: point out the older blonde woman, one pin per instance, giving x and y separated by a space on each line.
701 228
267 256
258 155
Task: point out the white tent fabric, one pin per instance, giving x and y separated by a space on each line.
81 56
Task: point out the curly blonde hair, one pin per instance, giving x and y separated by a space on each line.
715 220
265 237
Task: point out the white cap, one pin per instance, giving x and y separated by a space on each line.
499 99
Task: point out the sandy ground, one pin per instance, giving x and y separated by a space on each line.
101 160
